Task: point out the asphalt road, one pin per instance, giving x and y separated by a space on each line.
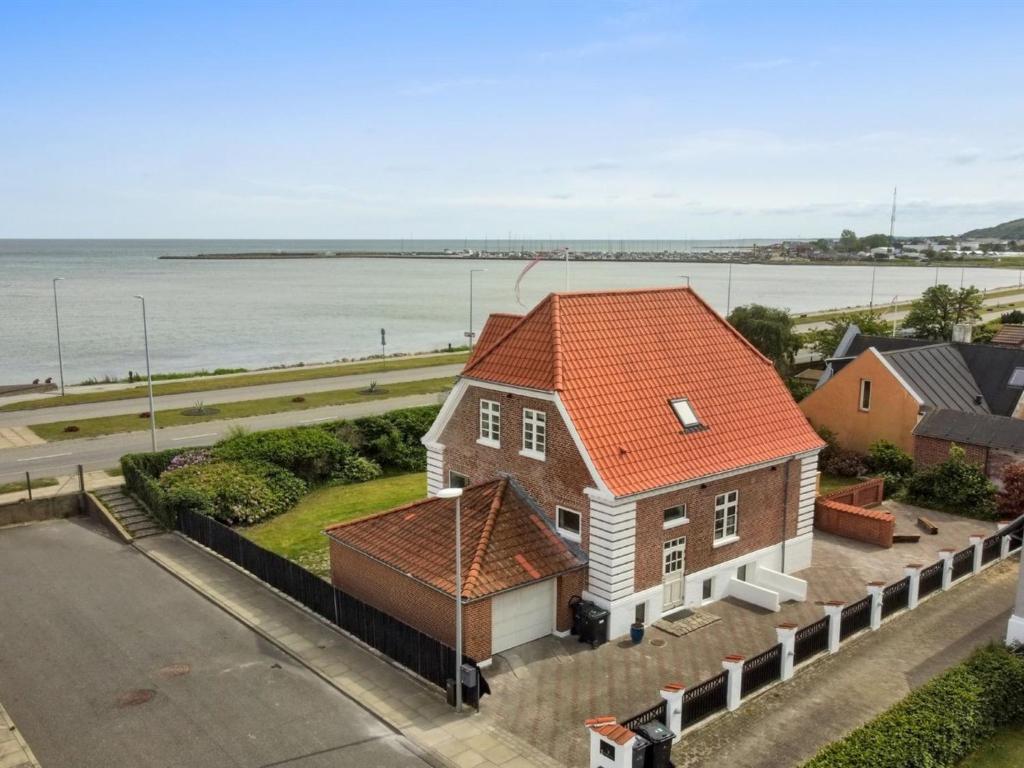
107 661
189 399
62 457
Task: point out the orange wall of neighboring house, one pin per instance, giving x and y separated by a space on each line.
892 415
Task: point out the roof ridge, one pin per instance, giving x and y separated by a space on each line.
556 342
473 573
621 291
498 342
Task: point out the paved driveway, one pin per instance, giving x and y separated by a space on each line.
106 661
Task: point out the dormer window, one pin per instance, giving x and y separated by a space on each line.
685 413
1017 378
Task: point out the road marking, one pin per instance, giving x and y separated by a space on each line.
317 421
51 456
194 437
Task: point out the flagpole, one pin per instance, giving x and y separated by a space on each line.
566 269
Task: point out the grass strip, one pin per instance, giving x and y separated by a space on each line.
298 533
131 422
20 485
247 380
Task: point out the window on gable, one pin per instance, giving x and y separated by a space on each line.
726 513
685 413
569 523
534 432
674 516
1017 378
456 479
490 421
865 394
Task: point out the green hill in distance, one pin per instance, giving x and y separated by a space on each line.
1010 230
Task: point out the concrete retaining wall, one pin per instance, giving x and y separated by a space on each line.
47 508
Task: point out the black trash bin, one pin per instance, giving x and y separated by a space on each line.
593 624
659 753
640 749
474 686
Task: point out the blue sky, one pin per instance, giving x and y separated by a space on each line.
546 120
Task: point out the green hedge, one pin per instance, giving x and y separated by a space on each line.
141 472
311 453
942 722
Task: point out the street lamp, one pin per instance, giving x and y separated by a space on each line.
687 277
871 304
456 493
56 316
470 333
149 374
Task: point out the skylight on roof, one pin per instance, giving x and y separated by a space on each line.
1017 378
685 413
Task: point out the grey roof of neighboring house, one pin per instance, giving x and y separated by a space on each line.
992 368
973 429
940 377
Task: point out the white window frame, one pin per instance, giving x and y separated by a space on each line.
683 410
666 524
490 423
535 433
453 474
567 533
728 509
860 402
673 546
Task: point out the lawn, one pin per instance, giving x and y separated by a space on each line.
831 483
298 533
1004 750
131 422
247 380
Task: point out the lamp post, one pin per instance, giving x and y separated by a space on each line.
456 493
149 374
871 303
56 316
687 278
728 290
470 333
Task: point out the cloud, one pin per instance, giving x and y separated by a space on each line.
966 156
764 64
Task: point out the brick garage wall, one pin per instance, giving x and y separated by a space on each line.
559 480
869 525
869 493
759 523
929 451
408 600
568 585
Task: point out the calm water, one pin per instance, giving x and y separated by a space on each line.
255 313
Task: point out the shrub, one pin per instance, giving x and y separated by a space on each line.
940 723
233 492
311 453
888 458
140 471
831 445
190 458
1013 317
956 485
1011 499
358 469
845 463
393 439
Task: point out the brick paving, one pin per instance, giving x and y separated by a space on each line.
544 691
14 752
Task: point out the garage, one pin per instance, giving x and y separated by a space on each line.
522 615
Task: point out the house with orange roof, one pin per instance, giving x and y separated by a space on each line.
652 436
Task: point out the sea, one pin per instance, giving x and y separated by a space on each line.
206 314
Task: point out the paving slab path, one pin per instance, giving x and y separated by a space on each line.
790 723
14 752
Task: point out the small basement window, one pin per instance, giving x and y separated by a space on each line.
568 523
457 479
1017 378
685 413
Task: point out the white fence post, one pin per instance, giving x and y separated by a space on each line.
913 572
947 567
1004 547
786 635
834 611
733 664
875 592
672 693
976 540
611 744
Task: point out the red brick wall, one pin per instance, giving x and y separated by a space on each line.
929 451
870 525
559 480
412 602
866 494
759 521
568 585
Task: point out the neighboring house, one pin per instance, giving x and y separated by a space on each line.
992 442
1010 336
648 432
878 387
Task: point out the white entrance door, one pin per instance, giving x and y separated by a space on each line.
674 563
522 615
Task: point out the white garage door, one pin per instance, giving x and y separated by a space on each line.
522 615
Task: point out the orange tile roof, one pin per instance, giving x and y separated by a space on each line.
1010 335
497 325
618 358
506 541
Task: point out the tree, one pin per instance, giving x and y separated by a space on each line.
940 308
770 330
1011 499
825 340
822 245
848 241
1013 317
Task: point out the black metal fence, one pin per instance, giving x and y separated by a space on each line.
855 617
895 597
430 659
963 562
990 548
761 670
931 579
811 640
702 701
658 712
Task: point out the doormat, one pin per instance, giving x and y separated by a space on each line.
685 625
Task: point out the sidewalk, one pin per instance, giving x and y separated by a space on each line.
416 709
66 484
791 722
14 752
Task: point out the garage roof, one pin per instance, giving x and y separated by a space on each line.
507 541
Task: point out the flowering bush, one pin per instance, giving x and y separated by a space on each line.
1011 499
190 459
233 492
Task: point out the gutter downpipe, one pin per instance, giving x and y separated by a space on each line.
785 512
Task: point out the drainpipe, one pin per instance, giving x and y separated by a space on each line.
785 512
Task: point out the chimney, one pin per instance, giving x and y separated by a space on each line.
962 333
